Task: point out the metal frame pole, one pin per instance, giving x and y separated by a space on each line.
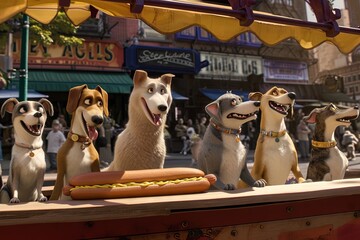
23 72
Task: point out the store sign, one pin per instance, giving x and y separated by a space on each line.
89 55
168 58
229 66
285 71
162 59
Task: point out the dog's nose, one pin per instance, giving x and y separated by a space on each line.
162 108
38 114
257 103
356 107
292 95
97 119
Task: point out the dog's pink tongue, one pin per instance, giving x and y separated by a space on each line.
93 133
157 119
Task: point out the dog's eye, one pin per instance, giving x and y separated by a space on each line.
150 90
162 91
233 102
100 103
23 110
87 101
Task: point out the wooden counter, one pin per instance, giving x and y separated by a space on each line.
282 212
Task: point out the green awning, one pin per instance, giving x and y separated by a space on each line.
62 81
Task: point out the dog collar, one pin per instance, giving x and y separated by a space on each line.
85 140
232 131
31 148
273 134
317 144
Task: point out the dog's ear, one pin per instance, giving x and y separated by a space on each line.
255 96
8 106
104 94
311 118
74 97
48 106
166 78
139 76
213 110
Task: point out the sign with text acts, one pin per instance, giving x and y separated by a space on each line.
160 59
277 71
89 55
229 66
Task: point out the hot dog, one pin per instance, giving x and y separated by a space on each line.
137 183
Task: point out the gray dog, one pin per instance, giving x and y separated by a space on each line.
221 152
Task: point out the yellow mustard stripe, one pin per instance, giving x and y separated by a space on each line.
142 184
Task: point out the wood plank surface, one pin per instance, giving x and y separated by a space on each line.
77 211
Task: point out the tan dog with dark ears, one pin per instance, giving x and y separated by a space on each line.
78 154
27 166
275 153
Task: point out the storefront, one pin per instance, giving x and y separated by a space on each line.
53 70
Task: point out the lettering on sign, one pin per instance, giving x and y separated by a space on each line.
229 66
165 58
89 54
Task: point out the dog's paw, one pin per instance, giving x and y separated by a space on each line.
260 183
229 186
14 200
43 199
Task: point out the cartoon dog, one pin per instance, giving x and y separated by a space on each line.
78 155
27 165
327 161
275 154
141 145
221 152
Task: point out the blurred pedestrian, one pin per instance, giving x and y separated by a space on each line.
55 138
180 129
203 126
349 141
303 132
62 121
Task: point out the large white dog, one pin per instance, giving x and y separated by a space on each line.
141 145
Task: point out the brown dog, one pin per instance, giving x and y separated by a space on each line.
327 161
78 154
275 153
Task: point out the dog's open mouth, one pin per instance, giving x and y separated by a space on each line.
156 118
280 108
346 119
90 130
34 130
240 116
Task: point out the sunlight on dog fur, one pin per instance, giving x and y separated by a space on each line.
328 162
221 151
27 165
78 155
142 145
275 153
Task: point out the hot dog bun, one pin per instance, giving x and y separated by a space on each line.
136 183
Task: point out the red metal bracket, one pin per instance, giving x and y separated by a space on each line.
244 7
136 6
64 3
326 14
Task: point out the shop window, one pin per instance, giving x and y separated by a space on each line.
148 33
